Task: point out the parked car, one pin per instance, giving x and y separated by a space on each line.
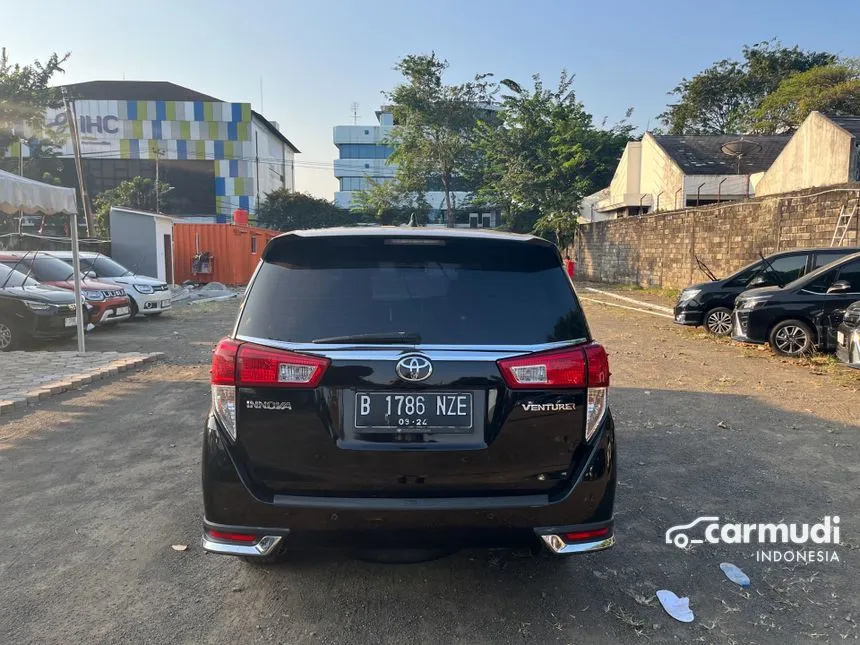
31 311
710 304
149 296
460 401
796 318
848 336
110 304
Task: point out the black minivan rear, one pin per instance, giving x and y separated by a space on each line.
408 387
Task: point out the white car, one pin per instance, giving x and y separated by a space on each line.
149 296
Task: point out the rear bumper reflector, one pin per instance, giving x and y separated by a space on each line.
265 545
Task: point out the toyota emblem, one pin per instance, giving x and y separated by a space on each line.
414 368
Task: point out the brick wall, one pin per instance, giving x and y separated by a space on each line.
658 250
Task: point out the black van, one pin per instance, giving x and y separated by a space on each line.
710 303
802 315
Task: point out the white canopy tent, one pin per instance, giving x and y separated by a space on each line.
19 194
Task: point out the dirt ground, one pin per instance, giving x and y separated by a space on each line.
105 480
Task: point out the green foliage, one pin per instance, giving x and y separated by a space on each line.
284 210
434 125
722 98
386 202
834 89
545 155
137 193
25 94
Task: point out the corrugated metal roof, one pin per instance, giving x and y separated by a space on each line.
703 155
849 123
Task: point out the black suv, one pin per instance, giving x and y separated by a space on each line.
30 311
802 315
848 337
710 303
408 388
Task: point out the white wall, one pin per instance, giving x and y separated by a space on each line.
163 226
361 133
276 160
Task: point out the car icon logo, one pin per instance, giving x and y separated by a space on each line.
676 535
414 368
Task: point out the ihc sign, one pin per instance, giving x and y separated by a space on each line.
88 124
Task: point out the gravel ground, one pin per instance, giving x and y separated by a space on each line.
98 485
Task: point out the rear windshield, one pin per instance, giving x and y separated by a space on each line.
461 291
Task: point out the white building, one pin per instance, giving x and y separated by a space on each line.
363 155
662 173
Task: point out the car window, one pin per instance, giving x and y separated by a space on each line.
789 267
821 283
105 267
826 258
448 292
14 278
44 268
851 274
745 276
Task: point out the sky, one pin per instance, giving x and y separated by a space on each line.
317 57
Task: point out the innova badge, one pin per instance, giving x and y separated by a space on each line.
414 368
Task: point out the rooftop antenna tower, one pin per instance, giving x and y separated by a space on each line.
354 108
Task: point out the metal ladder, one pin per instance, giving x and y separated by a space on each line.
842 224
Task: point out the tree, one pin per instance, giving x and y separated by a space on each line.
721 98
545 155
284 210
385 201
435 124
834 89
25 95
137 193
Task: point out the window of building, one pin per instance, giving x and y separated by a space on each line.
364 151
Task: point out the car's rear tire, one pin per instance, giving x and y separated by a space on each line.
718 321
792 338
10 337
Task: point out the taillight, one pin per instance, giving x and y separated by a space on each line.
262 366
557 369
584 366
579 536
236 364
223 370
230 536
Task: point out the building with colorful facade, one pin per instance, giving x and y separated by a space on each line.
219 156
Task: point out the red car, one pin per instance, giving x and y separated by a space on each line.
109 303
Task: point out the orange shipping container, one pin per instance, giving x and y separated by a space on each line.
234 251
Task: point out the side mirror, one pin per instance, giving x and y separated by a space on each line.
89 274
758 281
840 286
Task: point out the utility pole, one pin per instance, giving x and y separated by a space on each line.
71 117
21 173
257 165
157 151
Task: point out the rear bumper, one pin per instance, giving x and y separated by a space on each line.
585 502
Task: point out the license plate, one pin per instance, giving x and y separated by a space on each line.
165 304
426 412
70 322
840 338
122 311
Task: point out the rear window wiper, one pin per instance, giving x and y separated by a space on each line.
382 337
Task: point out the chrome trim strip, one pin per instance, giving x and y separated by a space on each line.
558 546
266 545
364 351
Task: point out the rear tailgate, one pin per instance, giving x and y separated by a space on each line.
472 303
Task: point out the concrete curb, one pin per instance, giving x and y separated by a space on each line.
60 384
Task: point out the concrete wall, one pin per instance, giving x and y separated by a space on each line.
660 174
819 154
625 181
658 250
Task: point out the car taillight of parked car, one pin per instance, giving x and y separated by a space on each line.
568 368
237 364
